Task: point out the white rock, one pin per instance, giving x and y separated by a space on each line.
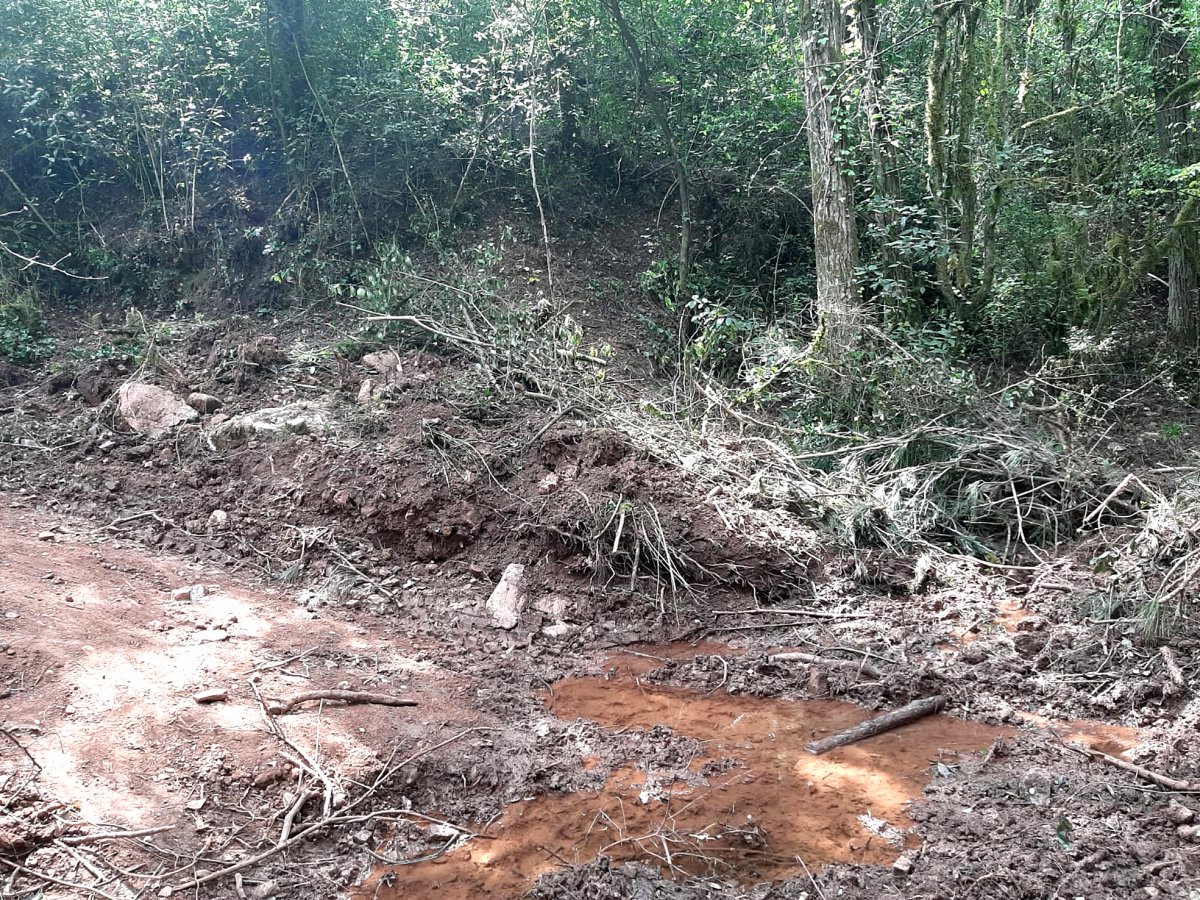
151 410
272 422
366 392
218 520
509 598
386 363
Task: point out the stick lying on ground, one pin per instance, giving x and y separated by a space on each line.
286 706
918 709
813 660
1163 781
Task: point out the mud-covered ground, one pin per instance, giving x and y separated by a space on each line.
634 733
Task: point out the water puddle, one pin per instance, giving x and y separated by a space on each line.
754 805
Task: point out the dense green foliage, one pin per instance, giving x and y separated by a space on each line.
1020 168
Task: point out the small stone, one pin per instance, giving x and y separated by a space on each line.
385 363
212 695
549 484
366 391
1180 814
166 891
1032 623
218 520
193 592
70 711
1029 644
205 404
361 837
903 866
212 636
1189 833
973 654
558 630
46 535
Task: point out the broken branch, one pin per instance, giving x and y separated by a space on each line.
285 706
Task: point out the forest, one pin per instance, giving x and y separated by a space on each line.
599 448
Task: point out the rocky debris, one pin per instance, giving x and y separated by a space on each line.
262 351
385 363
151 410
1179 814
192 593
509 597
205 404
903 866
1029 644
212 695
271 422
558 630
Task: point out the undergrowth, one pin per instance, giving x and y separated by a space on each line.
900 448
23 336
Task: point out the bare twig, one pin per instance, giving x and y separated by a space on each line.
114 835
339 819
350 697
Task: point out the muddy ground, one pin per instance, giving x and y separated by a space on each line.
632 734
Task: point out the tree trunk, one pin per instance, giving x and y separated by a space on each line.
1168 34
841 316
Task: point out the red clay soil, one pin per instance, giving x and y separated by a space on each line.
755 804
99 667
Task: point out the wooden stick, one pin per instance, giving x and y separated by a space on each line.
285 706
113 835
918 709
1163 781
813 660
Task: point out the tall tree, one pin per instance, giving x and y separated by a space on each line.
841 314
1173 91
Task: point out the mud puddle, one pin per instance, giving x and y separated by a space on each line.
753 805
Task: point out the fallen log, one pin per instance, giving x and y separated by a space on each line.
283 707
918 709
